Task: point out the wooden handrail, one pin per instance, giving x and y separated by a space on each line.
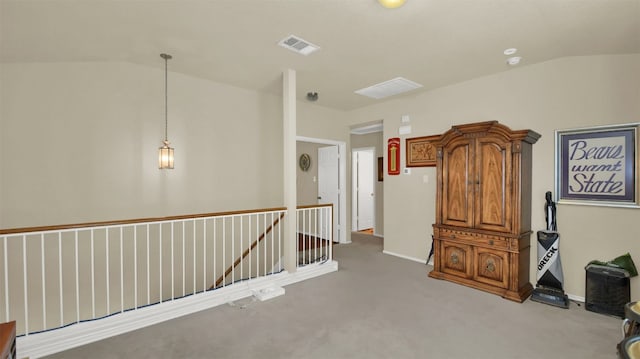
133 221
246 252
315 205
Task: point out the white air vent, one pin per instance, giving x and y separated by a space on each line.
298 45
388 88
376 127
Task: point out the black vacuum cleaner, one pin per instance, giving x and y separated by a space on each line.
550 279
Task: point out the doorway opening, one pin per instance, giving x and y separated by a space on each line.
327 183
363 189
367 186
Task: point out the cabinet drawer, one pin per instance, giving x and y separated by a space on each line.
476 239
456 259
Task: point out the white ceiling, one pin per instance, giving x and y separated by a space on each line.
432 42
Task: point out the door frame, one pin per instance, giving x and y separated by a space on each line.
355 208
342 184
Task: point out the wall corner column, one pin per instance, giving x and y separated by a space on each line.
289 167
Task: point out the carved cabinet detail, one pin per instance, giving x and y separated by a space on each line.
456 259
491 267
483 208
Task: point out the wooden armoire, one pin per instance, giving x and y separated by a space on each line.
481 237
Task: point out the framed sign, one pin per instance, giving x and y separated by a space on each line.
421 151
598 166
393 156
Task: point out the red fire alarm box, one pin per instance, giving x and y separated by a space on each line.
393 156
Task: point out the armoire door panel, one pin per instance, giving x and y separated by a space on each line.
491 267
493 193
458 186
456 259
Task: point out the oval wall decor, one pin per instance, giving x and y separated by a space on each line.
305 162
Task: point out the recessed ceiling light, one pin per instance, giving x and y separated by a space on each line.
391 4
514 60
510 51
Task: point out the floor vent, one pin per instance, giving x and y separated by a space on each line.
298 45
388 88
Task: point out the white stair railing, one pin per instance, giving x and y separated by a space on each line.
53 277
314 234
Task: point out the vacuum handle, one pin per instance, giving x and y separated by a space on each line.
551 213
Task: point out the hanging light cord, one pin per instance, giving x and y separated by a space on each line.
166 122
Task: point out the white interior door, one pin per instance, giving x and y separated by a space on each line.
328 179
364 188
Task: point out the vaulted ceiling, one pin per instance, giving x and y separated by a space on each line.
432 42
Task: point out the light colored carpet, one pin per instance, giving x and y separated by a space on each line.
375 306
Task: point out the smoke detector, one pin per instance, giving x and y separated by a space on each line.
299 45
513 61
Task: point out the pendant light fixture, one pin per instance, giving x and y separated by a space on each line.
165 153
391 4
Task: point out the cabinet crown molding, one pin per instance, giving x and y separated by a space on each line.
488 128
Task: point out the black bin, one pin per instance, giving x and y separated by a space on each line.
607 289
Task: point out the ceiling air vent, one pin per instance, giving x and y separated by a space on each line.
388 88
298 45
376 127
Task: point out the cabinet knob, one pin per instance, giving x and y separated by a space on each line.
491 267
491 242
453 236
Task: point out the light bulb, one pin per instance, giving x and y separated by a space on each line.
391 4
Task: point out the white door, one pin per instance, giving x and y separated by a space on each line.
363 186
328 190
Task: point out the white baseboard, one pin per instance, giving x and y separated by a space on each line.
57 340
405 257
575 298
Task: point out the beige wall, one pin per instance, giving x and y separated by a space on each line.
374 140
320 122
560 94
317 122
79 142
307 181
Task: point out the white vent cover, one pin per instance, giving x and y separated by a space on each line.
376 127
298 45
388 88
